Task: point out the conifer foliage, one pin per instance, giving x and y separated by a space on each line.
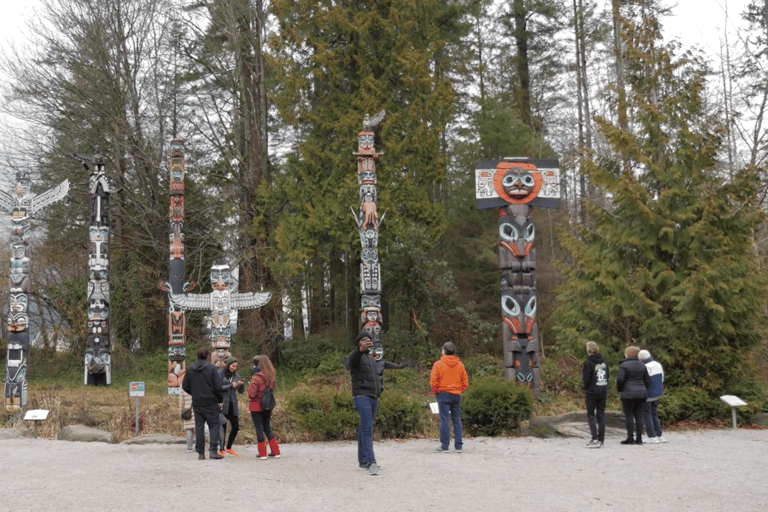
666 261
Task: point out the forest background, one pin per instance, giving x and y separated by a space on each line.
659 242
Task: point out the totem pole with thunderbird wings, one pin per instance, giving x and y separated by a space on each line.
515 186
22 206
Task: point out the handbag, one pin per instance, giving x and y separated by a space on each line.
267 399
186 414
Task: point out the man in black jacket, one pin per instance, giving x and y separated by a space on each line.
203 382
366 388
595 377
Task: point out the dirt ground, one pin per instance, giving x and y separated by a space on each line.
701 470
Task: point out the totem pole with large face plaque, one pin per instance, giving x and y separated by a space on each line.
98 349
368 222
177 324
22 206
514 186
223 303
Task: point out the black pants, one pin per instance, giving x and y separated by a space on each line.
633 417
596 416
261 424
235 422
206 414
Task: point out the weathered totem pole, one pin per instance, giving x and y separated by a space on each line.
98 349
22 206
223 304
177 324
368 221
515 186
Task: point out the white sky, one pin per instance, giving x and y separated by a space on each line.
704 22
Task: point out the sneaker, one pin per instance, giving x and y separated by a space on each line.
222 452
653 440
200 456
216 455
230 451
457 450
373 469
639 442
442 450
628 441
661 439
593 444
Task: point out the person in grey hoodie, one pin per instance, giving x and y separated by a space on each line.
203 382
651 410
595 378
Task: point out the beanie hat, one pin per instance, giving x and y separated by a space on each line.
360 336
228 361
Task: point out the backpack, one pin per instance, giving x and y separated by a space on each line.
267 399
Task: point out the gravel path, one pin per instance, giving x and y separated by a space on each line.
701 470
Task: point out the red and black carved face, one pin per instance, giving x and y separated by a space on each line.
518 183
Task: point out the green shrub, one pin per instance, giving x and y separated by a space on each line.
693 404
492 406
326 412
399 415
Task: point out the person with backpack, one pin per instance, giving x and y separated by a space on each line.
261 403
595 377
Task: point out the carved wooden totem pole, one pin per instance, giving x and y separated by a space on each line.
223 304
368 221
98 350
515 186
177 324
22 206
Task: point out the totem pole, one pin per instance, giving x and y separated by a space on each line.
177 325
368 221
22 207
223 304
515 186
98 349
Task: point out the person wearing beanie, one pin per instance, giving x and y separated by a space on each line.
633 382
595 378
203 382
448 381
366 389
231 382
651 409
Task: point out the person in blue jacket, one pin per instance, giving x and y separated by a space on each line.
651 411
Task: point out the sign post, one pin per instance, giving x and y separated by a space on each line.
136 389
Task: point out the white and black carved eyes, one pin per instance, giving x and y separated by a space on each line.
509 232
510 306
517 179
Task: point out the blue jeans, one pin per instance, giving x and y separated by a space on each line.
651 419
449 405
366 409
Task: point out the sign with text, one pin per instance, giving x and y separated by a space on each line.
136 389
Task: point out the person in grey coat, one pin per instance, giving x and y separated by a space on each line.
633 382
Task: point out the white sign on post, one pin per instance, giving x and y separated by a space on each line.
136 389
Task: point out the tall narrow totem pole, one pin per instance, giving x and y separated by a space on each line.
98 350
515 186
222 303
22 206
177 324
368 221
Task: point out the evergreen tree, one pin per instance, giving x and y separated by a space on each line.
669 262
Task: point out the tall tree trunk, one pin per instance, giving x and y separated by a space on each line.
522 64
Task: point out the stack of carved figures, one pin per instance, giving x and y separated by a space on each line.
368 221
515 186
176 319
22 206
98 348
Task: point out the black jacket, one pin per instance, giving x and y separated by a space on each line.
366 380
203 382
633 380
595 375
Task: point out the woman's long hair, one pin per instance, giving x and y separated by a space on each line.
267 369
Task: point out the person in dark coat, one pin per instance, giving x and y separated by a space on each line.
232 384
366 388
595 378
203 382
633 382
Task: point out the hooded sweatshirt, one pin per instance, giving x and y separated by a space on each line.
449 376
203 382
595 375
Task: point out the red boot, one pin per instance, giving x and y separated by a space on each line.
274 450
262 450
